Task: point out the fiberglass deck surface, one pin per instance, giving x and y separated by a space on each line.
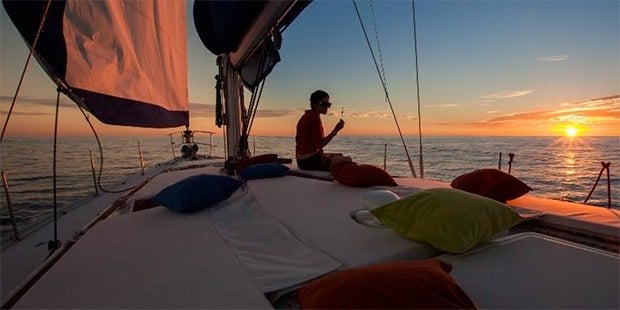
150 259
533 271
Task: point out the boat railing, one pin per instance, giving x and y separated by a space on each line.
501 165
605 167
188 142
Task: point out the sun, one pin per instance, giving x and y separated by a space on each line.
571 131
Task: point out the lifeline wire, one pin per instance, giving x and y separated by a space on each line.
385 89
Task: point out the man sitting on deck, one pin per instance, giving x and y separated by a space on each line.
310 138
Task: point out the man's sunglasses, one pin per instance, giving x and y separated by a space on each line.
326 104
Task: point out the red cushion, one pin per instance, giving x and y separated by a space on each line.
242 163
491 183
399 285
352 174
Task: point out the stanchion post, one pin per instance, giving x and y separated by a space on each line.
385 156
141 158
511 156
92 168
172 148
10 207
608 185
499 165
605 166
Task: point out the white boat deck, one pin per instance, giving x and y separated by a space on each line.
150 259
187 260
590 219
21 258
533 271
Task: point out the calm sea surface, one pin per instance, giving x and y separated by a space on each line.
558 168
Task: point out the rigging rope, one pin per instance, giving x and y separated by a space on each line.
248 118
21 79
255 98
92 128
374 23
53 245
387 96
260 92
417 84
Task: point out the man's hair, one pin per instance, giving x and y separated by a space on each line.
317 96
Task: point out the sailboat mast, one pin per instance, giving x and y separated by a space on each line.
232 108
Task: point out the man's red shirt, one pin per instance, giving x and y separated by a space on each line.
310 134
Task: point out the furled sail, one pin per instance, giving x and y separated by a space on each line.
248 31
123 61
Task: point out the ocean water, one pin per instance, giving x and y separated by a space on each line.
555 167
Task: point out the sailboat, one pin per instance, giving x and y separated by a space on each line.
265 242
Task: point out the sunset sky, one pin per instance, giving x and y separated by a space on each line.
486 68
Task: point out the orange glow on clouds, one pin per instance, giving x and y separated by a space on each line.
599 117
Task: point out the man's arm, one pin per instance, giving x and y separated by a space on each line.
332 134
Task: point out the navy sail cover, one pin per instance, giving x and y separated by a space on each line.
123 61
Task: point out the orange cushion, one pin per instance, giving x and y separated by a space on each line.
399 285
242 163
352 174
491 183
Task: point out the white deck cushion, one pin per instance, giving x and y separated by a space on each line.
599 220
270 254
319 213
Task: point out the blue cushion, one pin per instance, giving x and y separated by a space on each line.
261 171
196 192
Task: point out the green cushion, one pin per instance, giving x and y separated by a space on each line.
449 219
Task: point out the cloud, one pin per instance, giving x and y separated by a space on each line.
30 113
592 103
382 114
368 114
197 110
208 110
201 110
275 113
595 110
554 58
507 94
441 105
33 102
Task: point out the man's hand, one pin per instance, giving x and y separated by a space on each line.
339 126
